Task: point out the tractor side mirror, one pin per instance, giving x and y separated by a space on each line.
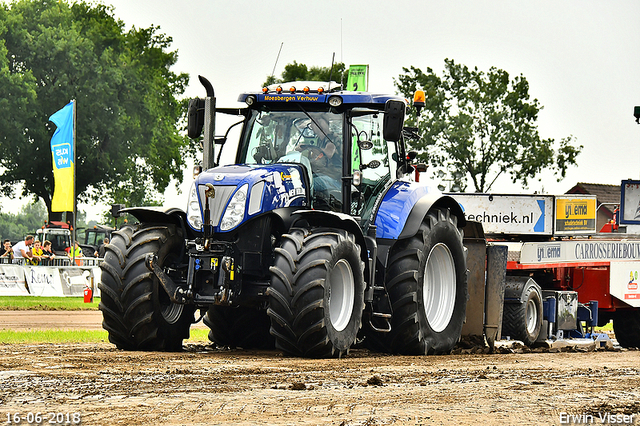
393 120
196 118
115 209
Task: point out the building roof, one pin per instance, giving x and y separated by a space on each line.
605 194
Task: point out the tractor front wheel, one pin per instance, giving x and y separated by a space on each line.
137 311
316 296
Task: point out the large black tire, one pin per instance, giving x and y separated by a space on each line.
136 310
626 326
316 297
523 321
239 327
426 279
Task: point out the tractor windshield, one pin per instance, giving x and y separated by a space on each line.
311 138
315 139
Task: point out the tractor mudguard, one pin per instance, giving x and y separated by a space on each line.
168 215
404 207
162 215
328 219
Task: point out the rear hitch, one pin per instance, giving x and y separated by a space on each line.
176 293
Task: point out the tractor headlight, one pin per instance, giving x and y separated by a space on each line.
194 215
234 213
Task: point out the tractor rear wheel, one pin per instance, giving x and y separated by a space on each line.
426 279
316 296
239 327
137 312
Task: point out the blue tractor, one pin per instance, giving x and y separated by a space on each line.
314 239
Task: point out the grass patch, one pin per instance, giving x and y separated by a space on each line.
35 303
607 327
199 335
76 336
53 336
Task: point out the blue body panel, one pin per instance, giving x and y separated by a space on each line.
396 206
277 185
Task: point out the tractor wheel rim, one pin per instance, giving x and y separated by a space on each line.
439 287
341 295
532 316
171 312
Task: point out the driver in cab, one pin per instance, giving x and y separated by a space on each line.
319 147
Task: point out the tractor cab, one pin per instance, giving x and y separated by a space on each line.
336 135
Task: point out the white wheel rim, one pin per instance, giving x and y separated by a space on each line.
341 295
531 316
439 287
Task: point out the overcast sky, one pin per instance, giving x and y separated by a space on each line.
581 57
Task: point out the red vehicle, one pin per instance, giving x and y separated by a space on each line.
562 276
59 234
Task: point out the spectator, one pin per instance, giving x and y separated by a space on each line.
101 250
77 253
22 250
47 253
36 253
7 251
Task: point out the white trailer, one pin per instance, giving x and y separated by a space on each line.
562 275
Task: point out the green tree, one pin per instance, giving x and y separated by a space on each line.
128 117
300 72
479 126
30 218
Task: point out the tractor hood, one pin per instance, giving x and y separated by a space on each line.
241 192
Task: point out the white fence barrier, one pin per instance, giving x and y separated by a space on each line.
59 280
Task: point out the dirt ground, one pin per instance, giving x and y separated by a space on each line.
69 320
206 386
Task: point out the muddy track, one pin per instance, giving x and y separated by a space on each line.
206 386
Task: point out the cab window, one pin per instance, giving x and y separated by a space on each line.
372 156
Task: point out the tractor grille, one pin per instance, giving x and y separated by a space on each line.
218 203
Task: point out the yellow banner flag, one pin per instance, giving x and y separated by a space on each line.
62 150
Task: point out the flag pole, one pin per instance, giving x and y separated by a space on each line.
75 148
